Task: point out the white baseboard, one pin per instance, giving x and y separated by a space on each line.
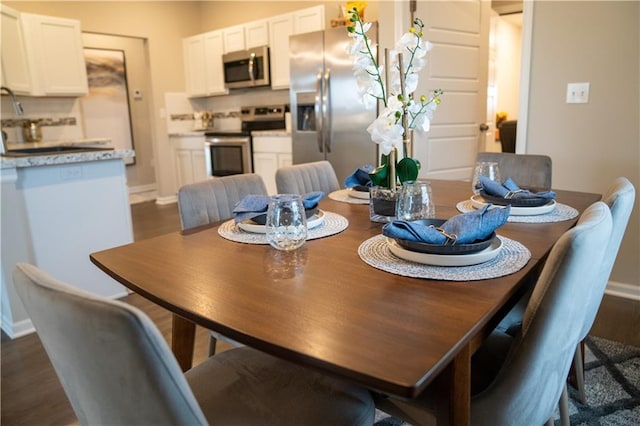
142 193
167 200
626 291
18 329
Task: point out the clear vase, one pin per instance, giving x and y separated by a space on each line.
382 204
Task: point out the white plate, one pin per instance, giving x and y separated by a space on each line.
250 226
478 202
358 194
447 259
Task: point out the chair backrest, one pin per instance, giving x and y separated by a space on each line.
112 361
307 177
529 384
213 200
620 197
527 170
508 131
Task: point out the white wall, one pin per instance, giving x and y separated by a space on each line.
590 144
508 54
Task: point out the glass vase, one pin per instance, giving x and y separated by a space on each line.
382 204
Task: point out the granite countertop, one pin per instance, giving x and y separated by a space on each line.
63 157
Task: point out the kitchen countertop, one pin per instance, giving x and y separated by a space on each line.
63 157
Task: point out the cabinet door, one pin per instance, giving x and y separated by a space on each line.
256 34
198 165
213 49
265 164
184 170
194 65
308 20
233 39
56 53
285 160
16 74
280 28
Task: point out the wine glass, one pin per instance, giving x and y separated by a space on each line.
487 169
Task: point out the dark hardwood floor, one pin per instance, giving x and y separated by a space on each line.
31 394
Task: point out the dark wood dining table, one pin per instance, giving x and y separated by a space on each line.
321 306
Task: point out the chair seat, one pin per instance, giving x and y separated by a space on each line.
245 386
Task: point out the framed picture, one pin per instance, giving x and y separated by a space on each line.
105 109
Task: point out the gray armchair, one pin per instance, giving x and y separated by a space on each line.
307 177
532 366
117 369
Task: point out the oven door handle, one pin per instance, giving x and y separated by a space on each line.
226 141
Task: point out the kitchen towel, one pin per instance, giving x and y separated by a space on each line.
464 228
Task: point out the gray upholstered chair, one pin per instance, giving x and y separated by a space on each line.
213 200
307 177
527 170
531 368
620 197
117 369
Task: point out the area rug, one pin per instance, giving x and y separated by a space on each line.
612 378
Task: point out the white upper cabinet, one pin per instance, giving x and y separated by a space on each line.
55 54
15 66
42 55
203 59
256 34
280 28
203 64
234 39
308 20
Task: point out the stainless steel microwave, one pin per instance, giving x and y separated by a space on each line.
247 68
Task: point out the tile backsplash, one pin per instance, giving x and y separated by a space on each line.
59 118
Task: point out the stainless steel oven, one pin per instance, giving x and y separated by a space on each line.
230 152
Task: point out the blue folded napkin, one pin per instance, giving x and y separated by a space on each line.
255 205
360 177
464 228
509 190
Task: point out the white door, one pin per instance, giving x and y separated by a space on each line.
459 32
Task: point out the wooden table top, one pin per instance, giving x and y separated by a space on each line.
321 305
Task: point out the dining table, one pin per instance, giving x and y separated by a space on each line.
324 307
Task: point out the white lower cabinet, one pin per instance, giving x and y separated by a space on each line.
189 159
269 154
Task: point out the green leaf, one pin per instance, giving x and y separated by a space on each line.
407 169
380 175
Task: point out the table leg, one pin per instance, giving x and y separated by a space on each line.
454 391
183 337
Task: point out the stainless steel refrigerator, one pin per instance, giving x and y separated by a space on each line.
328 120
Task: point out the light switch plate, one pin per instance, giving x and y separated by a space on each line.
578 93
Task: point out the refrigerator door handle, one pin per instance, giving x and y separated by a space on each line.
326 105
319 102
